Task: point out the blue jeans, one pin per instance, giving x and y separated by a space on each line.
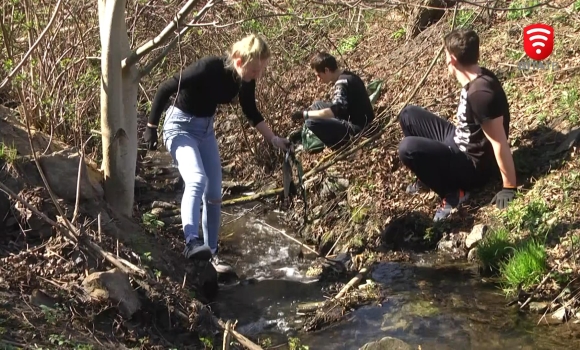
194 148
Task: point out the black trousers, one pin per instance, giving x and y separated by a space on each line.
333 132
429 151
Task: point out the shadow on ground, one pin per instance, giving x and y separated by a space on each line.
537 152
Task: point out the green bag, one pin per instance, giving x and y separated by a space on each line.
310 142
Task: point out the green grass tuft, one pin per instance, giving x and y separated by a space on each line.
495 248
525 268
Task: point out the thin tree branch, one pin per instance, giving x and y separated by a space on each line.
151 65
150 45
31 49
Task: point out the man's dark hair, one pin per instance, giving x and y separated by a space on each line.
464 45
323 60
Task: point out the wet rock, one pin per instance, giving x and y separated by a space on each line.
327 269
472 255
538 307
393 275
451 243
114 285
558 316
387 343
476 235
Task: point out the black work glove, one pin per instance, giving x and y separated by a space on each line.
297 116
150 138
504 197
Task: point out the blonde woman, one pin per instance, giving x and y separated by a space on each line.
189 135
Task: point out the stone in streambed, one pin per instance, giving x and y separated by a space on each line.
538 307
477 234
387 343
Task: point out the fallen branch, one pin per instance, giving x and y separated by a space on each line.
239 337
155 61
546 277
252 197
260 195
291 238
176 22
227 335
309 307
354 281
537 288
332 308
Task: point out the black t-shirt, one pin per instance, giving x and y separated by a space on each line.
481 100
202 86
350 100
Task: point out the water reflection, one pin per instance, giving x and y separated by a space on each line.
428 303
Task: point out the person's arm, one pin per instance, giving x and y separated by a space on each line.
192 74
495 133
250 109
339 107
248 103
492 125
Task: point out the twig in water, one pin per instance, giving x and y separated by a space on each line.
538 287
290 237
356 279
227 335
239 337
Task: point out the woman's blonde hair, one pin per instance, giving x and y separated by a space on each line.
249 48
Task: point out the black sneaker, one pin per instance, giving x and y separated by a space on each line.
449 203
195 249
221 266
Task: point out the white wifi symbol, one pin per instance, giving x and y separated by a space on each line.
536 37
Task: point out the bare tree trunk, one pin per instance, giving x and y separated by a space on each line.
119 88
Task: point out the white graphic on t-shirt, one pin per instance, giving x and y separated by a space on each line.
462 133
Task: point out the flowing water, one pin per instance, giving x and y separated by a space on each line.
428 302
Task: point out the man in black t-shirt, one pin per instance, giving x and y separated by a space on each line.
349 111
452 160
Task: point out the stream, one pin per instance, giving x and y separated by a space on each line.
429 302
